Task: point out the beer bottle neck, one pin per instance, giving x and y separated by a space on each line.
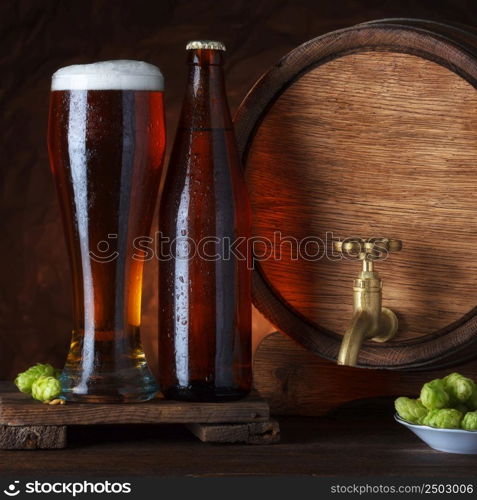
205 104
205 57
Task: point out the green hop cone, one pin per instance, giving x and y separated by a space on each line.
46 388
427 419
434 395
446 418
469 422
458 387
472 401
411 410
24 380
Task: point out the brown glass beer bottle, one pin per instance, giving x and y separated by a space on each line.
204 227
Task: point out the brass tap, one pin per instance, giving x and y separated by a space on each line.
370 320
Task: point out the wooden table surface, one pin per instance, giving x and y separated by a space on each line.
360 439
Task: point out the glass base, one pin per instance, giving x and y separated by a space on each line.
202 392
132 385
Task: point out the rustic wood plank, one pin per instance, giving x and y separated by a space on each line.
20 409
296 381
324 446
255 433
369 131
32 437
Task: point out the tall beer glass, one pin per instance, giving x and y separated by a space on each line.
106 142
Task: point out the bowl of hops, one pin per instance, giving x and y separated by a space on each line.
445 414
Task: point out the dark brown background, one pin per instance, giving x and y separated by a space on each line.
38 36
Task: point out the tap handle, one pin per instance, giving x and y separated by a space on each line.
368 248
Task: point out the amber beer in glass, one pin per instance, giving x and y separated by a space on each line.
106 143
204 224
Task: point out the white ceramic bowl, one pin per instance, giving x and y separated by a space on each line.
448 440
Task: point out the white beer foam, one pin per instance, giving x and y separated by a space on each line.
109 75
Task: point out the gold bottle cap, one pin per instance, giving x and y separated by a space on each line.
205 44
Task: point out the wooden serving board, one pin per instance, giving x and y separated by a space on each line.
25 423
369 131
295 381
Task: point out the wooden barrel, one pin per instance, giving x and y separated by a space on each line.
369 131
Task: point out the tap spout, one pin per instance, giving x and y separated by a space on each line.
360 329
370 320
